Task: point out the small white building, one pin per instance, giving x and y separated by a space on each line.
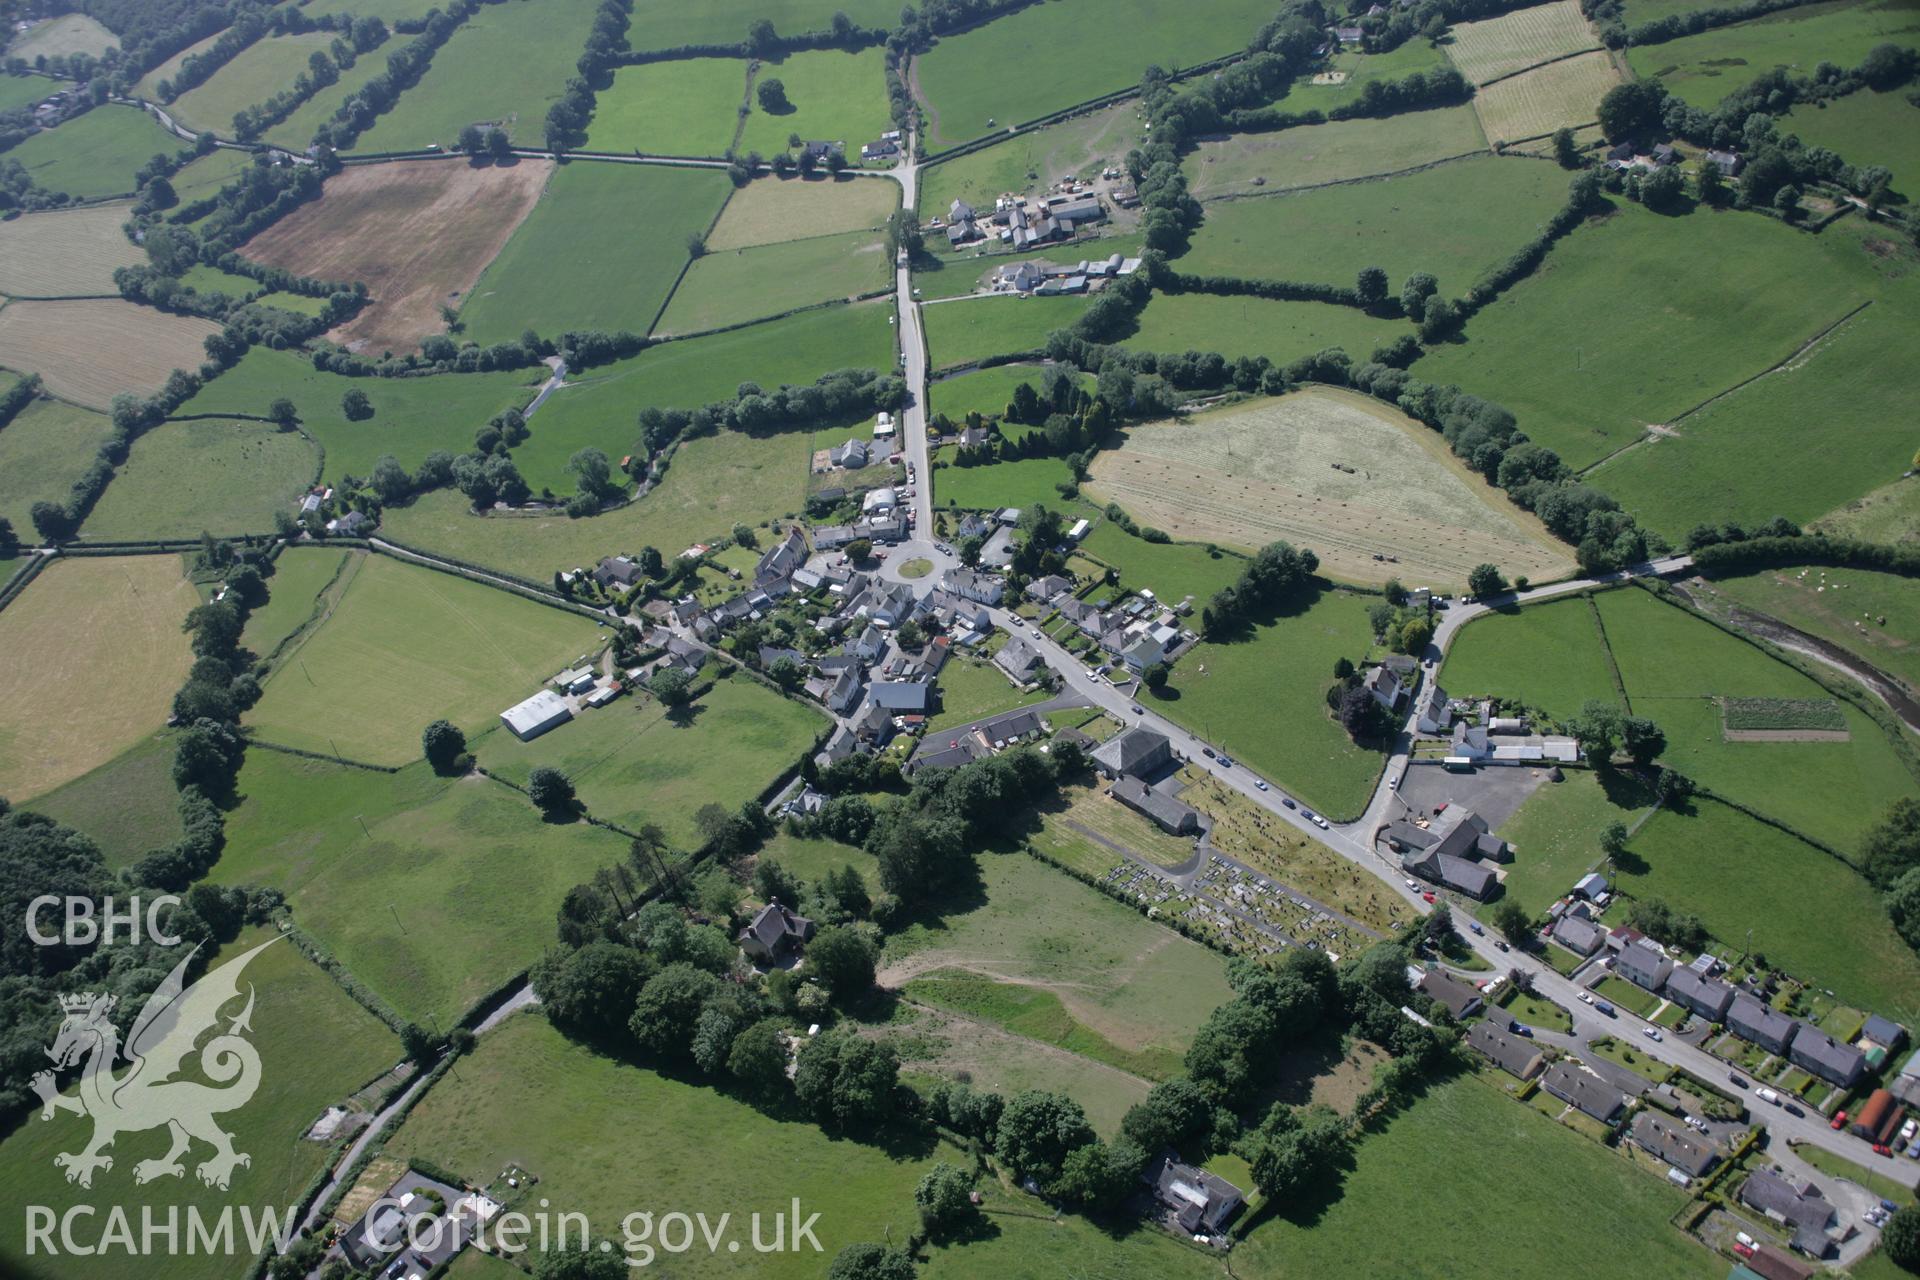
541 712
1078 531
883 426
879 500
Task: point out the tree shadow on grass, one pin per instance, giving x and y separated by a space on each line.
966 894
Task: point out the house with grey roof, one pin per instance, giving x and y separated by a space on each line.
1752 1019
844 696
1019 660
840 745
1044 589
1459 999
1578 934
1663 1137
1644 964
1450 872
1197 1202
1384 684
1584 1091
1136 753
1699 995
1886 1033
1515 1055
1821 1055
852 455
1797 1205
782 558
774 932
901 697
985 588
1434 714
1171 815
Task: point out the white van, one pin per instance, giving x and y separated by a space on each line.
1767 1095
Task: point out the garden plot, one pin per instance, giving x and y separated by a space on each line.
417 235
68 254
1559 95
90 351
1375 494
1514 41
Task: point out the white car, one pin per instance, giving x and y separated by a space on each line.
1259 784
1036 633
1412 884
1651 1033
1586 997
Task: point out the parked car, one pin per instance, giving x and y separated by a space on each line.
1586 997
1603 1007
1500 945
1207 752
1839 1120
1260 784
1393 783
1651 1033
1427 897
1288 801
1794 1111
1318 821
1882 1149
1475 926
1137 709
1890 1206
1913 1152
1226 761
1737 1080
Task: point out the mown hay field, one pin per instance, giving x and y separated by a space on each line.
1524 38
1242 326
1333 470
1636 318
472 873
47 446
1320 153
1560 95
732 286
772 210
316 1047
96 655
726 21
69 33
93 350
1019 68
631 764
1453 221
95 155
1702 69
68 254
1080 146
505 65
417 235
835 96
412 417
407 646
689 107
581 259
213 475
249 78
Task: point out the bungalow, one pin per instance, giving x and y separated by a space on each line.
1169 814
1823 1056
852 455
543 711
1591 886
1751 1019
821 152
1136 753
770 654
1515 1055
1704 997
350 524
884 149
1019 660
1434 712
1045 589
1384 684
1459 999
1798 1206
1198 1202
1644 964
967 584
1087 619
774 932
1578 935
1584 1091
617 571
1470 742
1666 1139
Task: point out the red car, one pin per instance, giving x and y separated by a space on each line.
1427 896
1882 1149
1839 1120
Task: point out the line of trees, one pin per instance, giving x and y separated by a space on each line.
405 66
324 69
567 118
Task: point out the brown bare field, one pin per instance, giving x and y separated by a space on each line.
66 254
417 233
91 351
1332 470
95 653
1559 95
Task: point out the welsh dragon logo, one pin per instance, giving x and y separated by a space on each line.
147 1095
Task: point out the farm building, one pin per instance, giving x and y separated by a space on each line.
541 712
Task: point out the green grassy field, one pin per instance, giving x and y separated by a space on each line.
1738 874
316 1047
213 475
42 452
1702 69
24 90
1263 699
553 273
1002 484
1009 70
771 210
1867 128
811 858
1282 331
972 689
531 1097
1556 833
404 647
66 34
448 890
1032 160
1317 153
1035 1015
412 417
1134 984
737 285
1171 569
1546 655
505 65
714 482
300 574
252 76
201 178
1360 70
1826 430
297 130
835 96
986 390
66 254
94 154
632 765
1673 665
129 805
391 10
202 278
1026 1242
686 108
1876 615
1638 318
726 21
1890 513
962 332
1453 222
